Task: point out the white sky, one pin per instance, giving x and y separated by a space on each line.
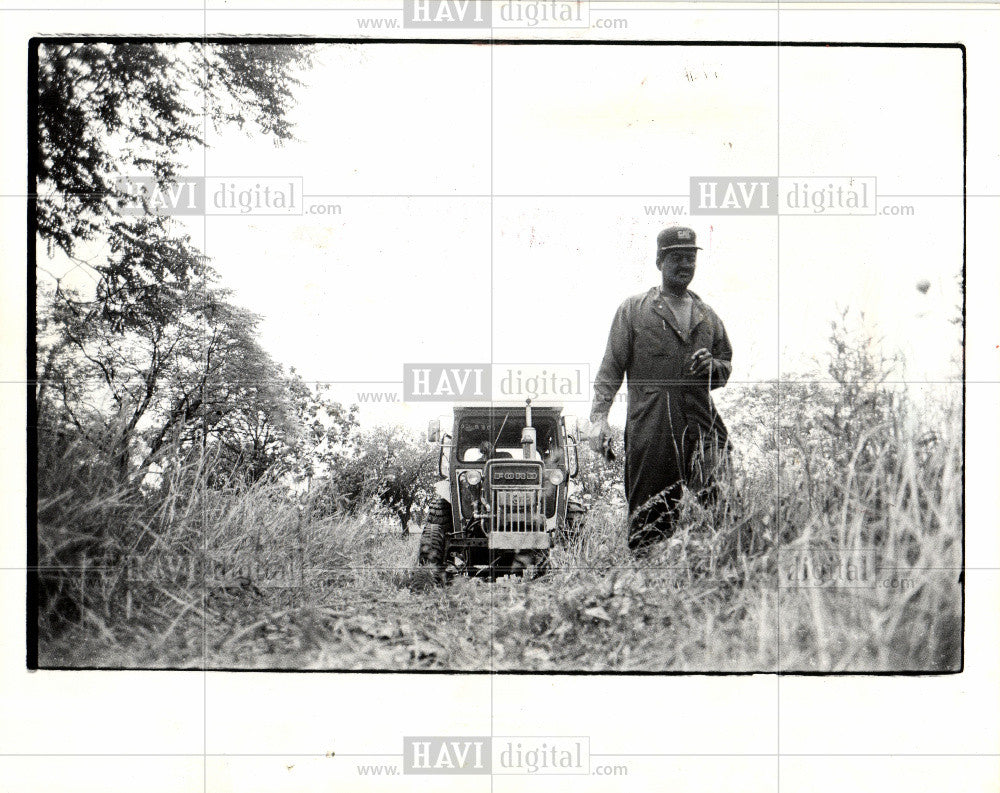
535 273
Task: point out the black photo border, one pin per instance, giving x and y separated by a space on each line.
32 584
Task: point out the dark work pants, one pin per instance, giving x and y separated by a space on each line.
695 461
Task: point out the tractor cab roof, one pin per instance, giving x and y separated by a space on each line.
493 408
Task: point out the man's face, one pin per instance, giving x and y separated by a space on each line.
678 267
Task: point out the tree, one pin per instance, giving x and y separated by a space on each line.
145 359
130 391
107 110
327 430
389 468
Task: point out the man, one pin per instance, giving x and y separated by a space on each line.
675 350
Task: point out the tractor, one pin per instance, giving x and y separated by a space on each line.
503 500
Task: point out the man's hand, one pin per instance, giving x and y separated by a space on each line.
701 362
599 435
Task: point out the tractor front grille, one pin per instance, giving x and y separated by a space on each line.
515 497
516 510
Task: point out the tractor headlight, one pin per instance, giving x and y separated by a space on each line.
556 476
473 478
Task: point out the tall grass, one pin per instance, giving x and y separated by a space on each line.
720 593
183 572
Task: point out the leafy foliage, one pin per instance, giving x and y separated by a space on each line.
602 479
108 111
156 356
388 468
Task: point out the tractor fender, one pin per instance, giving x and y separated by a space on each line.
442 489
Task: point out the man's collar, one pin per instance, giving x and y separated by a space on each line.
660 309
657 291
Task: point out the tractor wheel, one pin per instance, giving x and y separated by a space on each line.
434 539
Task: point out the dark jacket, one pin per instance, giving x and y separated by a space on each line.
670 410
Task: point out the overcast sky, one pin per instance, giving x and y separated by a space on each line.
530 170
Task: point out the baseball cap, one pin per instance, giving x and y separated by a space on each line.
676 237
